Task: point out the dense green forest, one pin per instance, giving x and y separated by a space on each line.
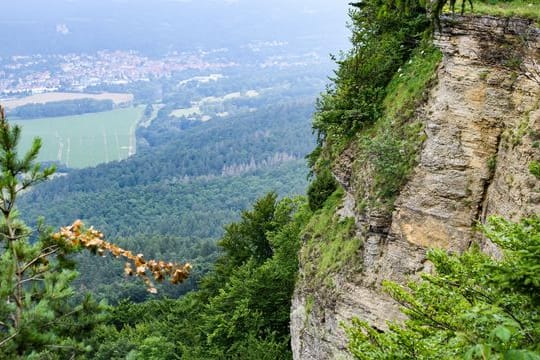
241 310
189 178
62 108
174 199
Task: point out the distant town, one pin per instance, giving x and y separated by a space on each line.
35 74
75 72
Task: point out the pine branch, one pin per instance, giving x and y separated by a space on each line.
3 342
44 253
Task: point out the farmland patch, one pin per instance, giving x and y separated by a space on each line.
84 140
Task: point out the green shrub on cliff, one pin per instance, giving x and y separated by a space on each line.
472 307
383 36
320 189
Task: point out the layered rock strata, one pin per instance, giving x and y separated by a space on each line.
482 127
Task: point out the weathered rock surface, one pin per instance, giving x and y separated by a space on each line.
482 122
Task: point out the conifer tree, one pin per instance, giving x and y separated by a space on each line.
38 316
35 275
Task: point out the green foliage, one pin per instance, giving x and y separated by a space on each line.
437 8
255 297
320 189
389 69
393 155
473 307
408 86
188 179
331 243
248 239
492 163
241 310
175 194
153 348
383 35
527 9
36 318
389 148
534 168
514 136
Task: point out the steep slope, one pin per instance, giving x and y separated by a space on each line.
480 126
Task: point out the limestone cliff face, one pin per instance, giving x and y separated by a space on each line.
482 127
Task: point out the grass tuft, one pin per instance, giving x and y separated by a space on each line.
527 9
331 241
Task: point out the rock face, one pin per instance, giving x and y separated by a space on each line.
482 127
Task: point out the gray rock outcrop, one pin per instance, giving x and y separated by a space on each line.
482 127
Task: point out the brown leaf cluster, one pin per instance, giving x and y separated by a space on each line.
93 240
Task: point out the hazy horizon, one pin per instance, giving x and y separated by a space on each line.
155 27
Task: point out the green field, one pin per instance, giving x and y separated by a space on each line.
84 140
